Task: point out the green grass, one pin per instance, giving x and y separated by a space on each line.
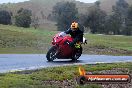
110 44
119 42
29 40
21 40
37 79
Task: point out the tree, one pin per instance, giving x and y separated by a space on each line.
128 30
120 11
23 18
65 13
116 22
95 19
5 17
112 25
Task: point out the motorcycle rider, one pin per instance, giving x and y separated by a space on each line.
76 31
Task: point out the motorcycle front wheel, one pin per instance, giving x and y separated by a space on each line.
51 54
76 56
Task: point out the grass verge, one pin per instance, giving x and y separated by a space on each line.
28 40
55 77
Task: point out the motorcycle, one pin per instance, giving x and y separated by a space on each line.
62 50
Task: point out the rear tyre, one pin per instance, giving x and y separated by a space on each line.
51 54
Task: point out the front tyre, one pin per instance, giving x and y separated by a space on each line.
51 54
78 53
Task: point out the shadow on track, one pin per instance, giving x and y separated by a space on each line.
65 61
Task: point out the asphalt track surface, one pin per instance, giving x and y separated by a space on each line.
18 62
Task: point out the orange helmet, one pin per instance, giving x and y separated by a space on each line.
74 25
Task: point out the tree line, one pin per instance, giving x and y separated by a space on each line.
119 22
22 18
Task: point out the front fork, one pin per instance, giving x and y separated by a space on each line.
57 51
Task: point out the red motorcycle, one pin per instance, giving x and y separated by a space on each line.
62 50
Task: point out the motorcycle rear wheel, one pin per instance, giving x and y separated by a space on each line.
51 54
